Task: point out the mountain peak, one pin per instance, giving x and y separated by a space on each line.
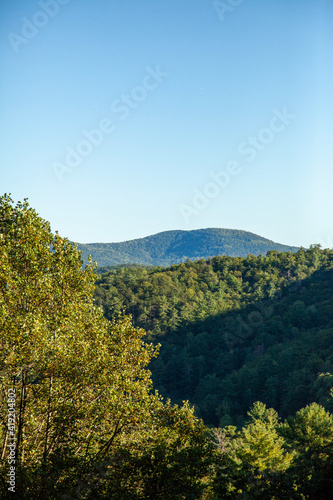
175 246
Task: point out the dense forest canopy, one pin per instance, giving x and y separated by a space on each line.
234 330
79 416
83 412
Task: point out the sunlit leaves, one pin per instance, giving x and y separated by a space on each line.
83 390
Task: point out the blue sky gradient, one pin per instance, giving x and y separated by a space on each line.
179 90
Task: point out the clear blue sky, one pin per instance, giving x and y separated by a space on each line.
208 116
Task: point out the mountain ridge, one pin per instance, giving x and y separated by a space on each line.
176 246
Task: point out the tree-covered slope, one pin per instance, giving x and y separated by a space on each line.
234 330
79 417
172 247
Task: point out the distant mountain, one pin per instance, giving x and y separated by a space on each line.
173 247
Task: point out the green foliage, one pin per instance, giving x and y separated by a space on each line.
172 247
310 434
254 458
83 394
87 423
234 330
272 461
165 462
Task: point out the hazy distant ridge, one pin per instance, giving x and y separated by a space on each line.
172 247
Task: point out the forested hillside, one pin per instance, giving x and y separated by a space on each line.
172 247
234 330
79 416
